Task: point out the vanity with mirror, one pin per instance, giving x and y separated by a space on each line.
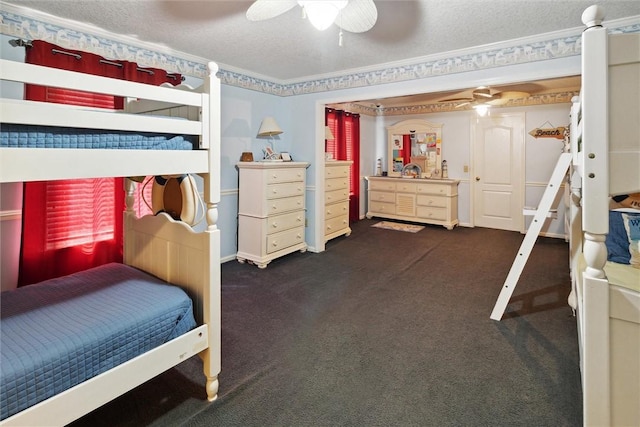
416 188
417 143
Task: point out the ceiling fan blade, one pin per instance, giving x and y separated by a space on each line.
463 104
498 101
514 94
483 92
503 98
358 16
456 100
265 9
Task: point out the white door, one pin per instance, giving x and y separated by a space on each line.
498 166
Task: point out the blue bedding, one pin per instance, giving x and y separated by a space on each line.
61 332
617 241
31 136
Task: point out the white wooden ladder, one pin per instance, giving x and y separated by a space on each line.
532 234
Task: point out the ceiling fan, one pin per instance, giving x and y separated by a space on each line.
485 96
355 16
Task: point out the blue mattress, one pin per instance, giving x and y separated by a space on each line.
61 332
31 136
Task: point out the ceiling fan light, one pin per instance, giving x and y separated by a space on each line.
322 14
481 109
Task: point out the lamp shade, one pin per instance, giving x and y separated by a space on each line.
269 127
327 133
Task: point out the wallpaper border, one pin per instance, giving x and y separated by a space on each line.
14 22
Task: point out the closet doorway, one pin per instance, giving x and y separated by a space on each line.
498 172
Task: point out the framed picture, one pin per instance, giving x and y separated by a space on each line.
286 157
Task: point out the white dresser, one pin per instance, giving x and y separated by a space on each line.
271 210
336 199
429 201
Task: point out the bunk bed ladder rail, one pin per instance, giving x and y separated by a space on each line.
529 241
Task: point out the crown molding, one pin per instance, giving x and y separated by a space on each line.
30 24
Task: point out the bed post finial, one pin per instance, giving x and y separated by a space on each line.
212 68
593 16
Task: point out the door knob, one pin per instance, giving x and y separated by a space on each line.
477 178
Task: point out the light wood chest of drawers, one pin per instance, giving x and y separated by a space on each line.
418 200
336 199
271 210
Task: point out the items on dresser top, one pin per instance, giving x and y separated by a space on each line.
428 201
271 210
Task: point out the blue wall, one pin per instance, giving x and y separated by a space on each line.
302 119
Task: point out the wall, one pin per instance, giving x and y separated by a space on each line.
302 119
308 111
242 114
541 157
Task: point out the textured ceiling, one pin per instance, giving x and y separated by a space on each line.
287 48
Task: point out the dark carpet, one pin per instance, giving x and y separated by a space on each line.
384 328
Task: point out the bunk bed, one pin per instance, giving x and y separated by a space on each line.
165 254
605 146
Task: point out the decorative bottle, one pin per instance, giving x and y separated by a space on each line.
445 171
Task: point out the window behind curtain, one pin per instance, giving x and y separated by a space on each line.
79 212
73 225
345 128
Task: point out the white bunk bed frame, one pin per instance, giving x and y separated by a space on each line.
168 249
605 145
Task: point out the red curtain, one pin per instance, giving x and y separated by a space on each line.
345 128
73 225
406 149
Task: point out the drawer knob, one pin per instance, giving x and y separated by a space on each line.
275 225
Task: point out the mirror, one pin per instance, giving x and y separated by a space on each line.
415 141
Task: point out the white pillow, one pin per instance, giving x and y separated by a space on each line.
632 226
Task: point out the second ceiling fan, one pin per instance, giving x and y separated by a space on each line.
483 95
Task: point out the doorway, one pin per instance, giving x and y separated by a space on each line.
498 165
